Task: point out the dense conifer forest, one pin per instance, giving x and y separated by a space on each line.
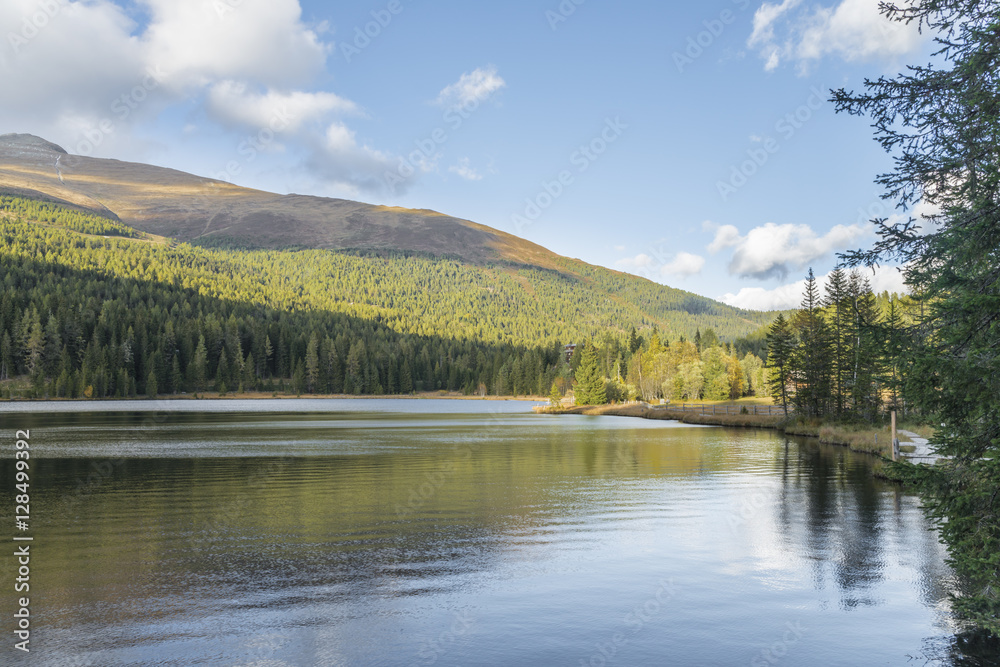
92 308
844 354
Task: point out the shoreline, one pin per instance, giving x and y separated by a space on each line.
258 396
827 433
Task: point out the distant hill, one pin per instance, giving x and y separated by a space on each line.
423 270
190 208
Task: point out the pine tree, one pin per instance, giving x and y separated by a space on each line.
151 384
836 304
198 368
555 396
942 121
406 378
176 379
894 349
249 381
53 346
812 359
590 388
299 378
312 364
633 341
34 344
268 355
6 356
222 375
781 348
867 352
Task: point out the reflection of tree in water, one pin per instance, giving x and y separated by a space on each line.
834 511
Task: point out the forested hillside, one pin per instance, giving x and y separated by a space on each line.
92 307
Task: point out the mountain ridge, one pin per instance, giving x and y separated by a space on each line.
168 202
202 211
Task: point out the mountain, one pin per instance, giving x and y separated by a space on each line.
177 205
421 270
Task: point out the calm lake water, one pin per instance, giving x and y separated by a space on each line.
411 532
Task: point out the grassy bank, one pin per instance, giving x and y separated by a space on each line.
864 438
747 420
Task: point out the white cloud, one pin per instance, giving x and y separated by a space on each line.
264 40
88 54
725 237
640 261
786 297
771 250
243 64
850 29
472 88
684 265
343 162
773 61
681 265
232 103
764 19
465 170
74 66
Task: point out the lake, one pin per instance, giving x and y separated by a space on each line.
435 532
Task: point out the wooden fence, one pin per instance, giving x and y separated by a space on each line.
700 408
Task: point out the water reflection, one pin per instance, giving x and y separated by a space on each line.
465 537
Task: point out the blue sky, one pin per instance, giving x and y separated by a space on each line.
690 143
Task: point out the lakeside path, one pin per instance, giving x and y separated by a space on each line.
923 451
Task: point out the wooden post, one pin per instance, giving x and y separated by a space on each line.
894 441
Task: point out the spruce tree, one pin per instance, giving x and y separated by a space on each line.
866 348
590 388
941 121
811 361
836 306
312 364
198 368
781 347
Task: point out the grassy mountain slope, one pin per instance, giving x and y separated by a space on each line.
417 271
